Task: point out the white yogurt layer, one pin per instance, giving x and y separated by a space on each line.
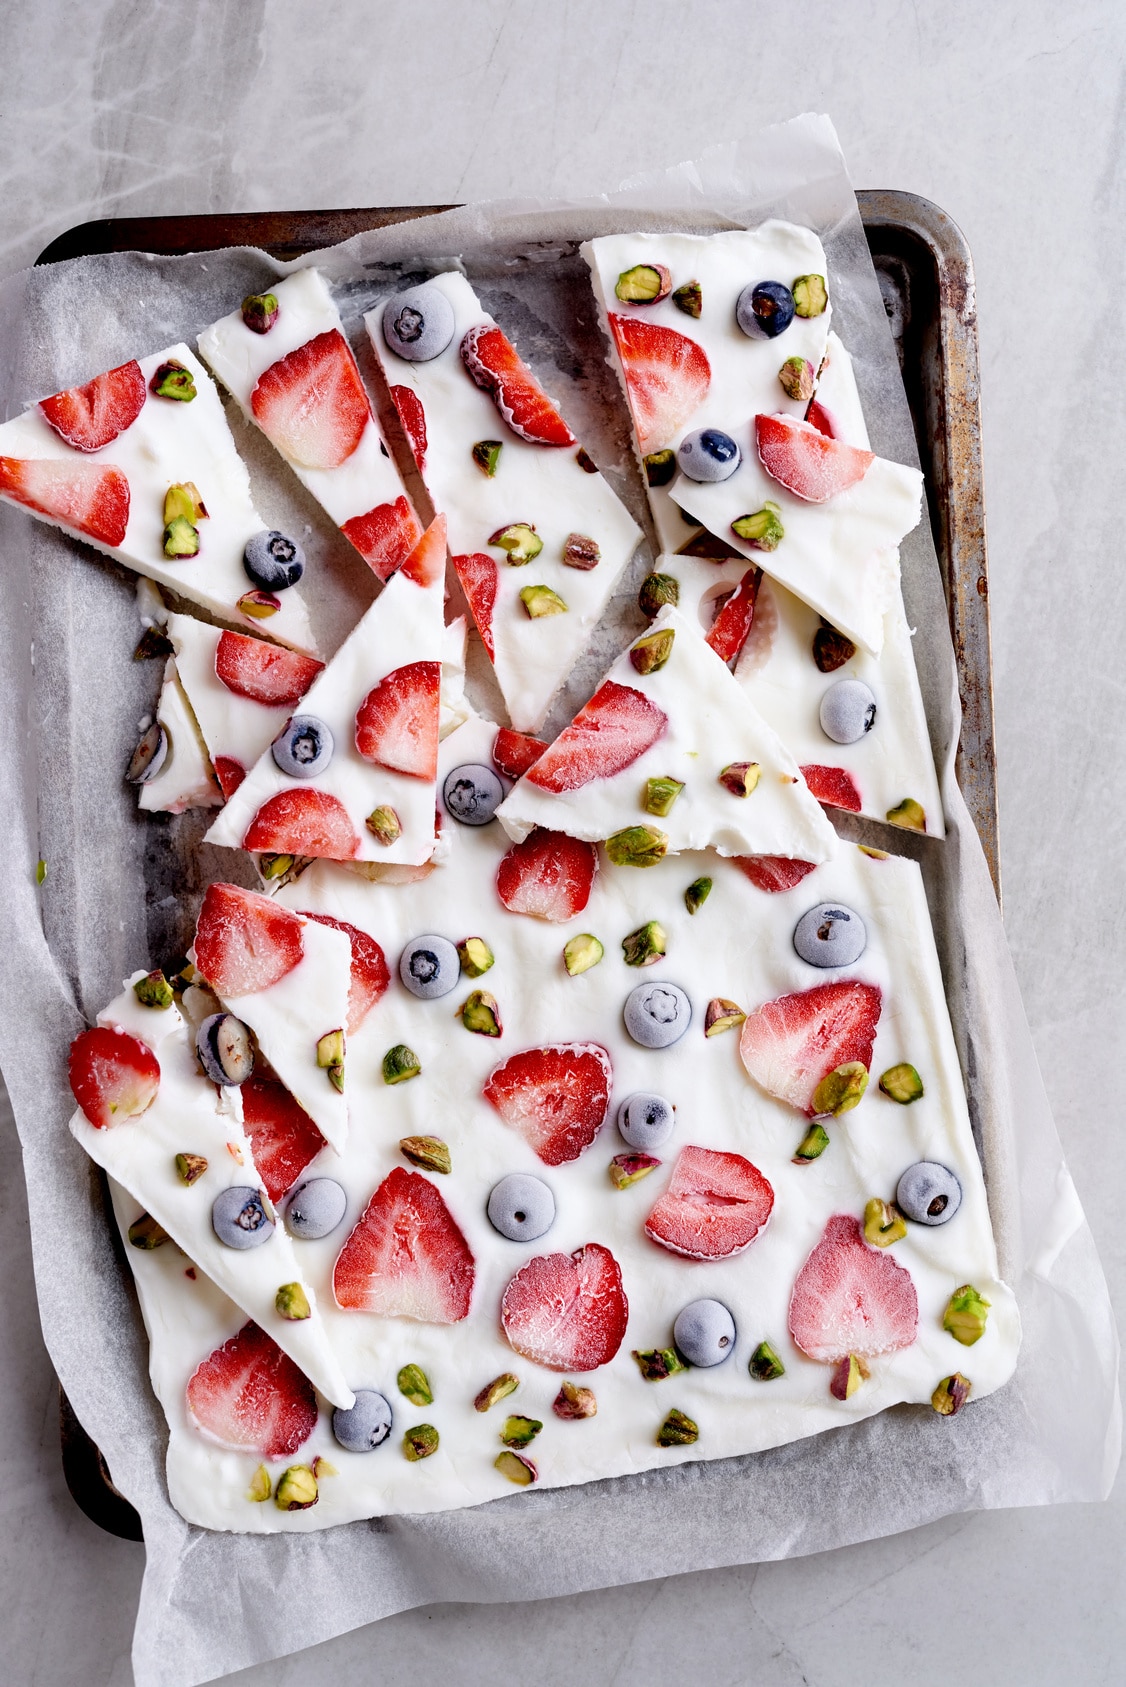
185 779
170 442
403 625
239 357
738 945
190 1115
711 724
744 372
539 484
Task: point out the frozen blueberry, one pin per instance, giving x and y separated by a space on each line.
239 1219
645 1121
303 748
708 454
315 1209
472 794
364 1426
704 1332
418 324
830 936
657 1015
928 1193
848 711
764 309
430 966
521 1207
224 1048
273 561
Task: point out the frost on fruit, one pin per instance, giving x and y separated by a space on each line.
762 529
883 1223
429 1152
646 945
539 601
965 1315
399 1064
297 1489
420 1442
499 1389
637 846
841 1090
951 1394
677 1431
902 1083
582 953
649 654
414 1385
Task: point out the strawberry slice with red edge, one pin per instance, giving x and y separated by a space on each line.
385 536
556 1097
773 872
515 752
397 722
667 377
833 786
607 735
370 976
498 369
312 404
114 1075
478 576
823 420
283 1138
850 1298
548 875
715 1205
790 1044
731 627
245 942
248 1395
304 822
264 673
413 418
567 1312
91 416
230 773
406 1258
426 564
91 498
807 462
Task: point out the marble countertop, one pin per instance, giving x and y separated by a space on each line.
1011 118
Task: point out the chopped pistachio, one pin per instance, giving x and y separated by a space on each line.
429 1152
330 1049
876 854
764 1364
721 1016
517 1467
677 1431
689 298
831 650
190 1168
848 1374
519 541
660 794
539 601
499 1389
649 654
420 1442
475 956
762 529
637 846
321 1467
399 1064
840 1091
260 312
626 1169
581 953
275 866
951 1394
297 1489
585 461
581 552
480 1012
697 894
797 379
520 1431
181 538
573 1402
740 777
883 1223
811 296
154 991
647 944
40 871
260 1485
902 1083
259 605
660 467
292 1302
172 380
643 284
909 814
152 643
384 825
965 1315
656 591
146 1233
415 1385
657 1363
486 455
812 1145
183 502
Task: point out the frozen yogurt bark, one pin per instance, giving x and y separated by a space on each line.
183 777
671 754
140 464
285 361
539 540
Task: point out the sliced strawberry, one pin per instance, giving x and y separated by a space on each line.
385 536
413 418
807 462
789 1045
548 875
732 626
514 752
715 1205
397 722
497 367
773 872
114 1076
406 1258
823 420
283 1138
850 1298
556 1097
311 404
230 774
667 377
832 785
478 576
304 821
426 564
245 942
93 498
607 735
264 673
370 976
249 1395
91 416
567 1311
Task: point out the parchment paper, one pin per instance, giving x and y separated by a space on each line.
121 892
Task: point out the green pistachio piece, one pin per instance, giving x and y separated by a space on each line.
183 502
740 777
660 794
520 1431
876 854
152 643
965 1315
146 1233
637 846
420 1442
841 1090
40 871
260 312
486 455
951 1394
721 1016
797 378
259 605
415 1385
321 1467
517 1468
883 1223
330 1049
811 296
581 552
499 1389
689 299
172 380
656 591
399 1064
154 991
812 1145
848 1374
762 530
275 866
429 1152
626 1169
647 944
573 1403
677 1431
902 1083
181 538
541 600
697 894
644 284
764 1364
292 1302
909 814
384 825
660 468
260 1485
650 653
297 1489
831 650
190 1168
475 956
582 953
657 1363
480 1013
519 541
